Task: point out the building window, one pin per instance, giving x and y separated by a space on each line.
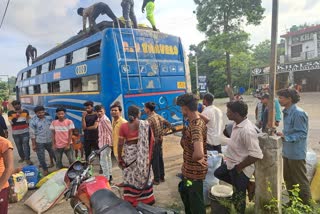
60 62
93 50
79 55
90 83
45 67
64 86
69 59
52 65
44 88
296 51
36 89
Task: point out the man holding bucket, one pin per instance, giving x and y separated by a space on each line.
242 152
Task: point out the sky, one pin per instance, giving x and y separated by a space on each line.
46 23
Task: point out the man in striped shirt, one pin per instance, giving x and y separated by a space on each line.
105 137
157 124
195 166
19 120
62 137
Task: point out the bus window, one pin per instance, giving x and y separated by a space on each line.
79 55
44 88
21 76
33 72
60 62
29 74
52 65
30 89
93 50
64 86
39 69
45 67
24 91
36 89
76 85
90 83
69 59
55 87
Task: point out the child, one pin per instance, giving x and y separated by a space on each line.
76 143
62 136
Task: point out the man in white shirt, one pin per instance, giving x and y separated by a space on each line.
213 118
242 152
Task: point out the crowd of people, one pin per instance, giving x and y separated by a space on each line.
137 145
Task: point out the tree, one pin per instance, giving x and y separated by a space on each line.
223 19
262 53
211 63
12 83
4 90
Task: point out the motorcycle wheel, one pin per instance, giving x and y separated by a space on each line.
78 207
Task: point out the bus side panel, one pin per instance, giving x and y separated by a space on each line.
166 105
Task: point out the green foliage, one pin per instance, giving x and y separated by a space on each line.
12 83
295 206
221 21
4 93
225 16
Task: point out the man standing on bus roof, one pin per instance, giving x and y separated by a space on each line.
19 120
128 12
93 12
89 117
149 5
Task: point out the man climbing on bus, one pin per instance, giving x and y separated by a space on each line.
92 14
149 5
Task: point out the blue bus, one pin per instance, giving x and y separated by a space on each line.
132 66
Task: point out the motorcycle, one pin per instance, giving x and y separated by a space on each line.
94 195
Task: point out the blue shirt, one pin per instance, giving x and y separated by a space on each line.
40 129
295 130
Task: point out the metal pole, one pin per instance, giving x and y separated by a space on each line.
197 75
273 65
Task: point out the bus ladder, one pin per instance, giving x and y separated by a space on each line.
126 69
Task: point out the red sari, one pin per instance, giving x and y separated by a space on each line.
138 175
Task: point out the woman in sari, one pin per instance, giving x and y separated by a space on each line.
136 140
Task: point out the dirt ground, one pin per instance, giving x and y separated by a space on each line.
166 193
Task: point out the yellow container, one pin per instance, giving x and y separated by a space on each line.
315 185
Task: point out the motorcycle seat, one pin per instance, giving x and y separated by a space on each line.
106 202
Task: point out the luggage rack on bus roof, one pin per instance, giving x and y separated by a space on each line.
80 36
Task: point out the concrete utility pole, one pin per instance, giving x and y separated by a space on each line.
273 68
268 172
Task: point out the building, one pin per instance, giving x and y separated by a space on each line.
300 64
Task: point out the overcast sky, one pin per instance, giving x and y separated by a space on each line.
45 23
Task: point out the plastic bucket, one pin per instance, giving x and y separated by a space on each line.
221 199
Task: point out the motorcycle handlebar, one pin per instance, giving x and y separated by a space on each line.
101 149
96 152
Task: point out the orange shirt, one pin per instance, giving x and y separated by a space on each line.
76 142
4 146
